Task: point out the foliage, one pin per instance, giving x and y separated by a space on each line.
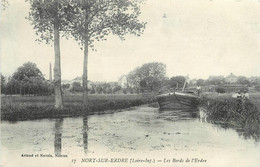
49 18
243 80
239 113
149 76
134 77
105 88
216 81
99 89
257 87
109 90
124 91
27 70
116 89
28 80
255 98
254 82
180 80
30 86
92 91
201 82
3 84
131 90
24 108
76 87
44 14
220 90
243 89
96 19
65 86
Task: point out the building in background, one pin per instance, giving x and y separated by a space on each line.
123 81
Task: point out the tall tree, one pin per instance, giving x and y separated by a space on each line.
27 79
96 19
149 76
27 70
49 18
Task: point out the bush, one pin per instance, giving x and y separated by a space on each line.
237 113
257 87
92 91
220 90
124 91
76 87
243 89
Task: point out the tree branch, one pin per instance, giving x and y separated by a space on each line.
98 10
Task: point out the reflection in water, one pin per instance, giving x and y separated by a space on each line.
193 113
175 115
85 133
58 134
251 132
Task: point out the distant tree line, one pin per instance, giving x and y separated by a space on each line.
27 80
151 77
216 81
220 85
104 88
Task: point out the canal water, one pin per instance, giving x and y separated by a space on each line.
141 136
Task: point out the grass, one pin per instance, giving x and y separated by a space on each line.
255 98
15 108
221 108
237 113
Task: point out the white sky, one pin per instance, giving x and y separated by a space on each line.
198 37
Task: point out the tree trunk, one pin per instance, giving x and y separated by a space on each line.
57 68
85 75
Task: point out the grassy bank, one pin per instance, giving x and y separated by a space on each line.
244 115
15 108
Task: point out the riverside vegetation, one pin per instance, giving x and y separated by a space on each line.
15 108
241 114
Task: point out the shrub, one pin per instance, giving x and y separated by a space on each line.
220 90
257 87
234 111
76 87
92 91
124 91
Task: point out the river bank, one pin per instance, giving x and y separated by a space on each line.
15 108
241 114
